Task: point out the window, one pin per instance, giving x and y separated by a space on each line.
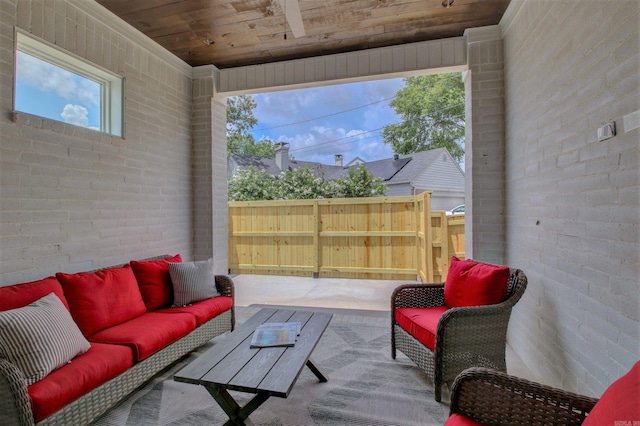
57 85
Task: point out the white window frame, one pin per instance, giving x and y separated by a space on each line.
112 85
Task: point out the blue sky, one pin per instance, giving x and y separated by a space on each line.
320 122
52 92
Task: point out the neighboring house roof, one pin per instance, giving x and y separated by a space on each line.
419 162
398 170
355 162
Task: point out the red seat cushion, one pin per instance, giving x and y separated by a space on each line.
19 295
460 420
101 299
154 281
204 310
620 403
83 374
471 283
421 323
147 334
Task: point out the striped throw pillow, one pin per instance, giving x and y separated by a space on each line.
40 337
192 282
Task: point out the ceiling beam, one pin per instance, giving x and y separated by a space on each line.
294 17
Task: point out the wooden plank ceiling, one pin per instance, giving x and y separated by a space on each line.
232 33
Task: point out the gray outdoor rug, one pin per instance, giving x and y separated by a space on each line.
365 387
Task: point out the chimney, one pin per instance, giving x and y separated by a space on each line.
338 158
396 156
282 155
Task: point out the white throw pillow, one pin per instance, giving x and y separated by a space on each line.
40 337
192 281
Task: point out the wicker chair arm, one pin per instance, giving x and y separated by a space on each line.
417 296
497 399
480 312
15 407
225 286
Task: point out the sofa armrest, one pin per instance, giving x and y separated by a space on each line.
225 286
495 398
15 407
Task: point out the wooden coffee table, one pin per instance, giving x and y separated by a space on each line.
232 364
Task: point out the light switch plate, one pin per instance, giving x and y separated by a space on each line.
631 121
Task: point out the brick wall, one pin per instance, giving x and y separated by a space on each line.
572 202
73 199
484 146
210 169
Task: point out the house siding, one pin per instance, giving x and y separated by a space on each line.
444 178
572 204
74 199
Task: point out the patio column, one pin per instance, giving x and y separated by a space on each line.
209 170
485 146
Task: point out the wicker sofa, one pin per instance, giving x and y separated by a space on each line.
201 321
462 337
481 396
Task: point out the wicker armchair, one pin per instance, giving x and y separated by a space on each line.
466 337
495 398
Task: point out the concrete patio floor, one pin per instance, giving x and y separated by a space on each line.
335 293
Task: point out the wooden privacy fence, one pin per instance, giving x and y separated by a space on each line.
378 238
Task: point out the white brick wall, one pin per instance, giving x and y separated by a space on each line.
73 199
209 123
484 146
572 202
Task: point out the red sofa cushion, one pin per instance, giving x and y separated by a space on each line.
471 283
147 334
154 281
460 420
83 374
204 310
103 298
421 323
19 295
619 404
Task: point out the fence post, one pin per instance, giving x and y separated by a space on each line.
316 239
428 236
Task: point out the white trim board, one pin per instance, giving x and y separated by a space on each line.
440 56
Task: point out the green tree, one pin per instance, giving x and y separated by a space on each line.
240 120
358 183
303 184
251 185
300 184
432 111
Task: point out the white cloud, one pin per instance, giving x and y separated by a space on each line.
347 120
75 114
47 77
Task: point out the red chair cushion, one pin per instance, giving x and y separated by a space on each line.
83 374
620 403
421 323
154 281
19 295
103 298
471 283
460 420
147 334
205 310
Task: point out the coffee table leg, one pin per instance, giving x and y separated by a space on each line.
237 415
317 372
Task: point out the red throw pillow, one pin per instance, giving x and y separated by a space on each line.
619 403
471 283
100 299
154 281
19 295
